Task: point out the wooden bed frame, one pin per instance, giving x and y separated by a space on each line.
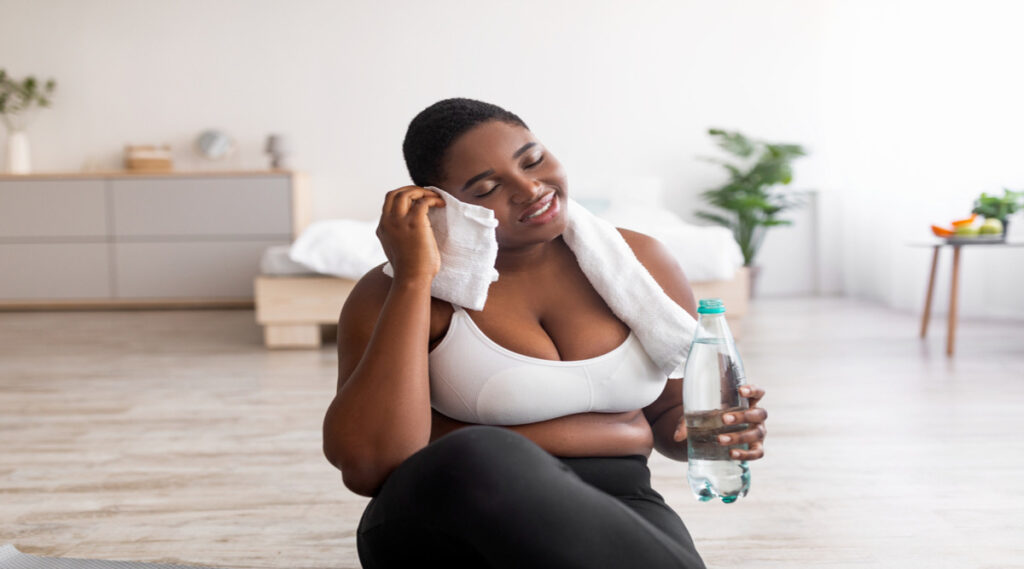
292 309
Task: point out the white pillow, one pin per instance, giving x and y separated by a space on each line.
705 253
341 247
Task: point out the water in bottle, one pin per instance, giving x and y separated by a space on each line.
711 381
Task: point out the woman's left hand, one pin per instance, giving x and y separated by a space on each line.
754 435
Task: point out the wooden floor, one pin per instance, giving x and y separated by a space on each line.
173 436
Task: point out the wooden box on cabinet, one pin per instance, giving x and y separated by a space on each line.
150 240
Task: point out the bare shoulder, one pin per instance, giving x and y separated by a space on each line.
659 261
647 248
361 311
367 297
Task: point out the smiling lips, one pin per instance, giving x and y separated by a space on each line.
541 212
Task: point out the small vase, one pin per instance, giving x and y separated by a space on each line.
18 158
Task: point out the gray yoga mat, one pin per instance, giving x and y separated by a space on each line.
11 558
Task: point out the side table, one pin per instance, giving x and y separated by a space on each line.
936 245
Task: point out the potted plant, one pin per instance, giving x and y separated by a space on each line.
17 101
994 207
747 201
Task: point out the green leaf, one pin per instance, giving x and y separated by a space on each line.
17 96
753 203
748 194
997 207
720 220
733 142
788 151
785 174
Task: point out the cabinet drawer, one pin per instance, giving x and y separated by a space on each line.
202 206
196 269
57 270
53 208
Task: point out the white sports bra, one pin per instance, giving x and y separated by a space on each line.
474 380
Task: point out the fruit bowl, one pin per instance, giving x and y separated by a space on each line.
965 231
962 240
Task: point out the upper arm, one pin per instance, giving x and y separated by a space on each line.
660 263
358 319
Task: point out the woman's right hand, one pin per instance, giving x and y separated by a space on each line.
405 233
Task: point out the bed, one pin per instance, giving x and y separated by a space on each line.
302 287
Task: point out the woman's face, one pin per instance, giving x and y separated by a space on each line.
502 167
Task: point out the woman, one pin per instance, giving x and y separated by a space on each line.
558 484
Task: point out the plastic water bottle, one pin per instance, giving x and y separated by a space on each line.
711 381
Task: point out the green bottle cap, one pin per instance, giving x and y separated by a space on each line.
711 306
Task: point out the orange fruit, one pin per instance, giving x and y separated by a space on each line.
942 231
966 221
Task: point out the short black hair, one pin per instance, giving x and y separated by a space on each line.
436 127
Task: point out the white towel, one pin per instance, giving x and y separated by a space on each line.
468 247
664 329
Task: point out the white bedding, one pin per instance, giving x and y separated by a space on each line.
349 248
340 247
276 261
705 253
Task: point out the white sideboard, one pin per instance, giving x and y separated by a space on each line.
120 239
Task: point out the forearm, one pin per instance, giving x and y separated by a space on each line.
381 415
664 429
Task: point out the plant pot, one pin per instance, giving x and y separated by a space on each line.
18 158
753 271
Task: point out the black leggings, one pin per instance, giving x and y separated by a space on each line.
489 497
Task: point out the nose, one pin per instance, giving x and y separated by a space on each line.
527 190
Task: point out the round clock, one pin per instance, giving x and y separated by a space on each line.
214 144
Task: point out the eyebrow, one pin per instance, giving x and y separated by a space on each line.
482 175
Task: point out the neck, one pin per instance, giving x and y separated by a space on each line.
527 258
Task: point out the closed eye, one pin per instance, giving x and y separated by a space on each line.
489 192
527 167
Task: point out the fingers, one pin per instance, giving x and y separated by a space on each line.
752 415
392 196
753 394
754 436
404 201
422 205
748 436
755 452
680 434
418 205
399 202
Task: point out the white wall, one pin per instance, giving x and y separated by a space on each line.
924 109
614 88
905 101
